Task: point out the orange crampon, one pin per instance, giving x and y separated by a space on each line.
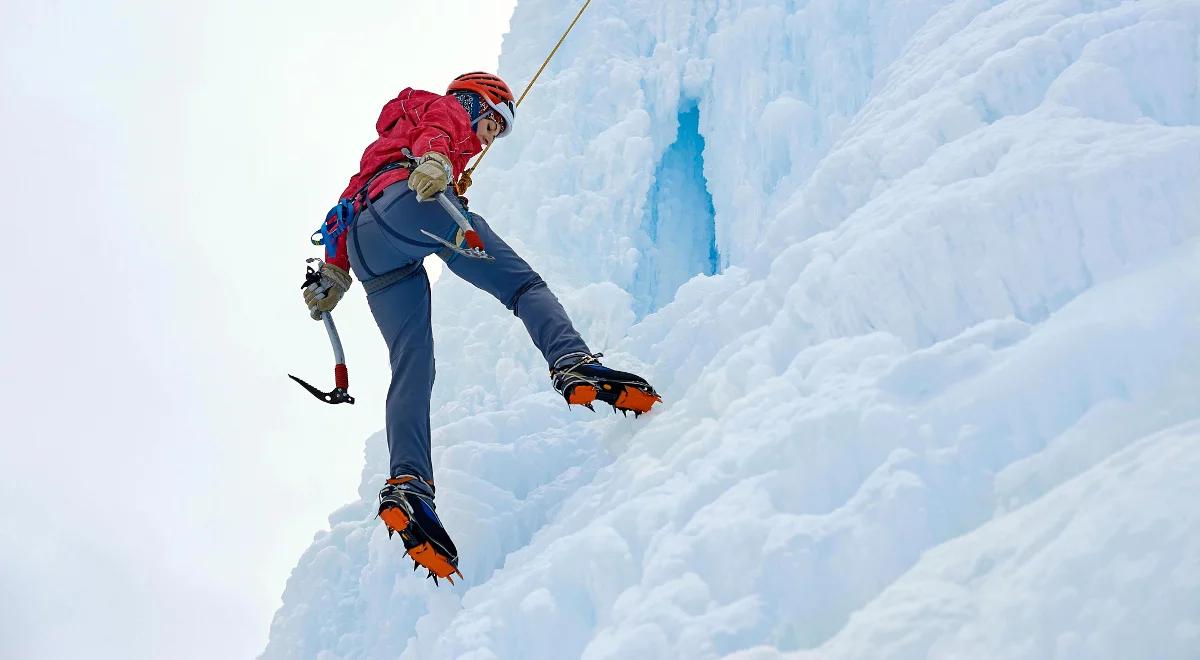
581 379
406 508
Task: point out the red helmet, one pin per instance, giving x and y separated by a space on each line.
493 91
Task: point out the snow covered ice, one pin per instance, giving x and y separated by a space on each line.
920 284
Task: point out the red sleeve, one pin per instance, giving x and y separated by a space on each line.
340 258
336 254
444 128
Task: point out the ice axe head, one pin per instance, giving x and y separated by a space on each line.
334 396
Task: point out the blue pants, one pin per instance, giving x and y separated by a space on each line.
386 246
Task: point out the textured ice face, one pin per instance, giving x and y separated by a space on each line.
931 394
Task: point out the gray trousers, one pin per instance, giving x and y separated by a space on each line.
386 246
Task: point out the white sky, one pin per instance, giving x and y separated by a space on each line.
162 165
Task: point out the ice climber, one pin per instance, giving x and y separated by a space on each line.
383 241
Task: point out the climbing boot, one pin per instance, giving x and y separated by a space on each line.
406 507
581 379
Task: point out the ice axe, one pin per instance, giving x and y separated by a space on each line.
341 377
474 249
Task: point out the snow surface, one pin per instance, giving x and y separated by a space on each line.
932 382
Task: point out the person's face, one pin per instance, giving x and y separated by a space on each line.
487 129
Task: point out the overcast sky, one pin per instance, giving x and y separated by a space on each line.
162 165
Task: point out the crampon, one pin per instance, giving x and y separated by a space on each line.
582 380
406 508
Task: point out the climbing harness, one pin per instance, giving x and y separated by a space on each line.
464 181
342 215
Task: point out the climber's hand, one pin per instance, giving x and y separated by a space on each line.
323 296
431 175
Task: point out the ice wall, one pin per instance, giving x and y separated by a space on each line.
679 224
937 397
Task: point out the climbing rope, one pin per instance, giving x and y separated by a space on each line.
464 181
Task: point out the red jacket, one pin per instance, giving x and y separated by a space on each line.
423 122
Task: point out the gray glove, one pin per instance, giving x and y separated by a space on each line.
324 295
431 175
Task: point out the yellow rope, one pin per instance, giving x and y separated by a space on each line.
464 181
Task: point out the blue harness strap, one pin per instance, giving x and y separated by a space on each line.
342 215
337 221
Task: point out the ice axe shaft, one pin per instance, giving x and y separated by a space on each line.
339 356
452 209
